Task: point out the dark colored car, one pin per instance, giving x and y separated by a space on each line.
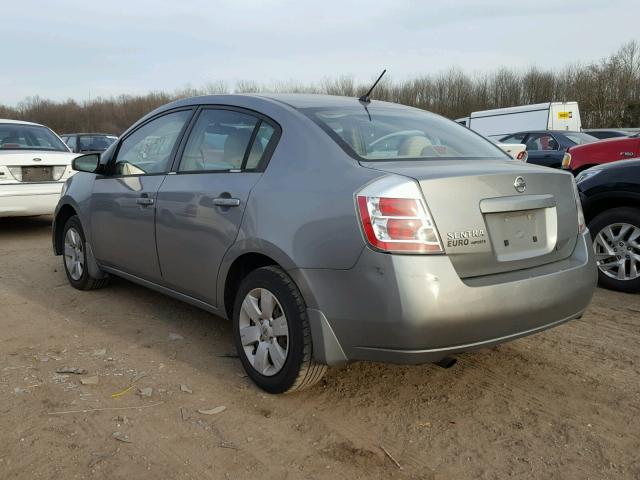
603 133
581 157
547 147
88 142
611 200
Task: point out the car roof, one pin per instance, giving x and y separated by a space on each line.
19 122
295 100
544 131
89 133
625 130
316 100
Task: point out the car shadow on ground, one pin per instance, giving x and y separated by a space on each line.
24 224
146 317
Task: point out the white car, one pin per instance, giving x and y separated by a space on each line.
517 151
34 164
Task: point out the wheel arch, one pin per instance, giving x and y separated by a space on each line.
64 213
582 168
603 203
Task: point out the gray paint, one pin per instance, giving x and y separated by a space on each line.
300 212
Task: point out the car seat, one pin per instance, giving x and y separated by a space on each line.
235 147
414 146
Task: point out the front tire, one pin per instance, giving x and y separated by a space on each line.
272 334
616 241
75 257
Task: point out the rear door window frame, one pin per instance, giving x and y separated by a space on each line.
266 155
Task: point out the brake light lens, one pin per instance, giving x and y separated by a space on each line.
566 161
16 172
395 217
58 172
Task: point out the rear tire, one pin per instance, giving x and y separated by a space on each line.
75 257
617 249
272 333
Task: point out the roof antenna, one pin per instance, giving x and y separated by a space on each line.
365 98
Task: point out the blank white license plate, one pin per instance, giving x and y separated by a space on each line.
522 234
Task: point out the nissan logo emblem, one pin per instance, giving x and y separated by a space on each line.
520 185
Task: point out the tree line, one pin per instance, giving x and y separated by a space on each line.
608 92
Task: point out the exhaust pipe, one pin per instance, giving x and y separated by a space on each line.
446 362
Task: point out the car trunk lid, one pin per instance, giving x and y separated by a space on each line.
495 216
32 166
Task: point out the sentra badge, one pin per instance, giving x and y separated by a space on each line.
465 237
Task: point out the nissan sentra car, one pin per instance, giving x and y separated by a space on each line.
322 244
34 164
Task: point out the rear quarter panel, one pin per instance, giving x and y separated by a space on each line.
303 205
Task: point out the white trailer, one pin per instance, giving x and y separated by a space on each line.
542 116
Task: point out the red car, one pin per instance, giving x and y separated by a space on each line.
581 157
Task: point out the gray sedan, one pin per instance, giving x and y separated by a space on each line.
328 230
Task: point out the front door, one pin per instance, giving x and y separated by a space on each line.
544 150
123 205
200 206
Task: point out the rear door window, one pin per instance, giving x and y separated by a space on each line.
226 140
260 145
542 141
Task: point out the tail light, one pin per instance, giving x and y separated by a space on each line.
582 226
566 161
523 156
58 172
16 172
395 217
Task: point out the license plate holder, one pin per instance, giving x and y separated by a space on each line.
37 174
522 234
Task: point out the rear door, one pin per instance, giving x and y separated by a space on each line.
201 203
123 206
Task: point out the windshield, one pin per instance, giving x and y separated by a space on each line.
580 138
387 133
16 136
95 142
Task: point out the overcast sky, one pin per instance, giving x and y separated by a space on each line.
83 49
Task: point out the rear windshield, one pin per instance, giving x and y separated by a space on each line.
580 138
15 136
387 133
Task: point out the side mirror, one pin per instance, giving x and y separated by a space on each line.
86 163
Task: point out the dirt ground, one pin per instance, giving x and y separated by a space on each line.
562 404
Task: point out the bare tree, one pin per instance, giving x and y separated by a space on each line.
608 92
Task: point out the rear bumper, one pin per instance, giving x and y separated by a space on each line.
415 309
26 199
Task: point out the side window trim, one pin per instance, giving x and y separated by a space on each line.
247 152
114 157
266 156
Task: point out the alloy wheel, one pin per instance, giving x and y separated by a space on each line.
617 249
74 253
264 332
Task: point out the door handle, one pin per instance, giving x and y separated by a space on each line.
226 202
144 201
626 154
